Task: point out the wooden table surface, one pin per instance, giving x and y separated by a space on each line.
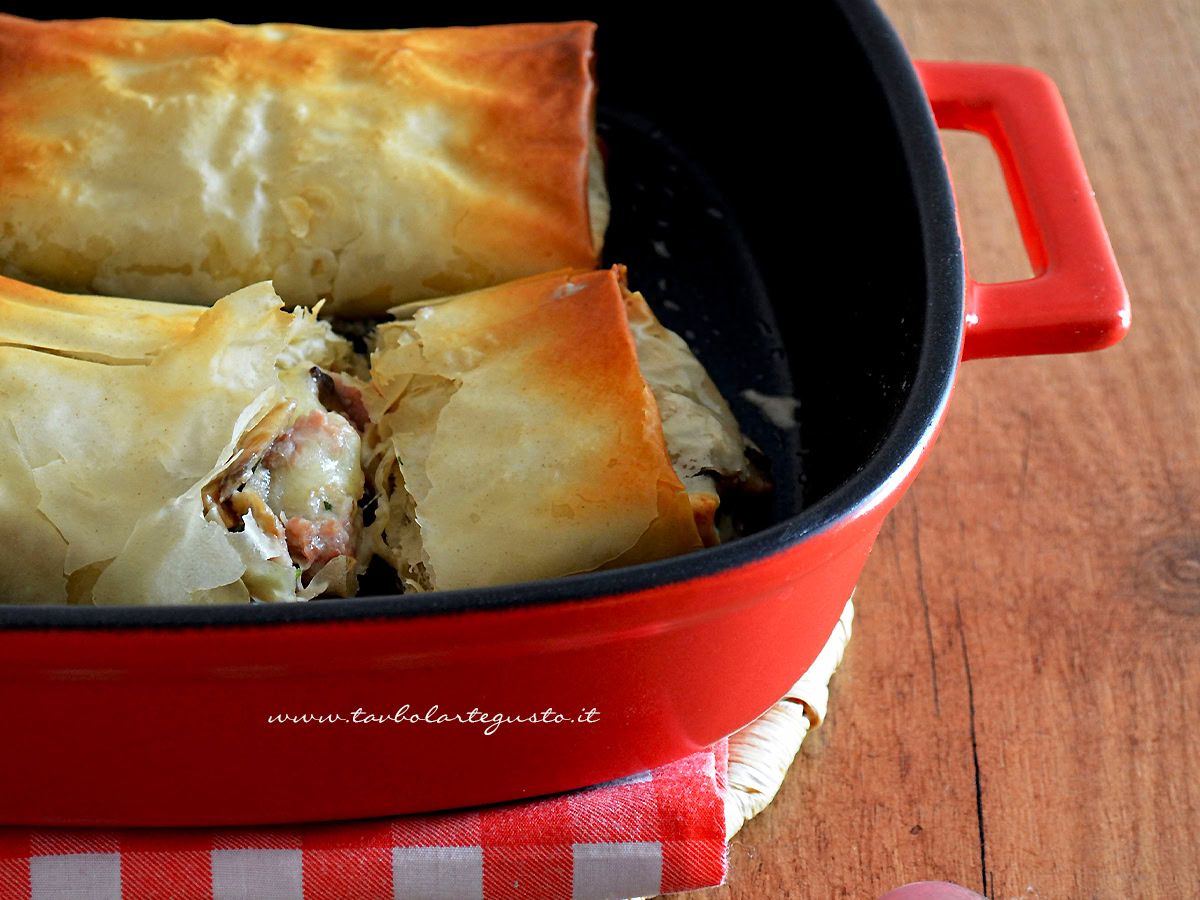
1019 709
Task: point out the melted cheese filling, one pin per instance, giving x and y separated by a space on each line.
294 494
314 468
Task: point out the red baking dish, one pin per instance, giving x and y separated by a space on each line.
163 716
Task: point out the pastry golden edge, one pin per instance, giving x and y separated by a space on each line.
669 480
179 161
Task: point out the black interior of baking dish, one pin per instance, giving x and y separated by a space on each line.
774 213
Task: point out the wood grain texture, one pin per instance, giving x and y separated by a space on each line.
1018 708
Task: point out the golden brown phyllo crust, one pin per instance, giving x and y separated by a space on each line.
161 454
180 161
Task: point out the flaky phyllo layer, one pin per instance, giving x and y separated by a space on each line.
151 453
151 457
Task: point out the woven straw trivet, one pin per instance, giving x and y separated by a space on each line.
760 754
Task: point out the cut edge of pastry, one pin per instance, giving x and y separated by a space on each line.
395 533
598 203
708 451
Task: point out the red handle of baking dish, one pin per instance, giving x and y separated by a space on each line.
1076 299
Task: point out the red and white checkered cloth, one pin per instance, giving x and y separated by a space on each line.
655 832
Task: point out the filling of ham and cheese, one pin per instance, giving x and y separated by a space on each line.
295 487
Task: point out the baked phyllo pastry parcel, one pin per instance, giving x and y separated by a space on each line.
153 453
181 161
542 428
151 456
